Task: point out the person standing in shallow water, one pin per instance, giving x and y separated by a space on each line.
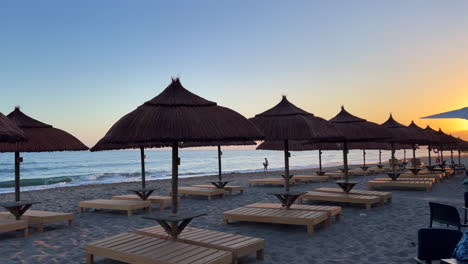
265 165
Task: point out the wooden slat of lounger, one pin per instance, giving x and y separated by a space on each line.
342 198
208 238
432 180
311 178
149 250
226 188
115 204
9 225
383 195
297 216
272 181
332 211
401 184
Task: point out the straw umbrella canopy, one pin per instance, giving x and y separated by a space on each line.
41 138
220 184
446 140
422 137
356 129
400 134
285 122
174 116
9 132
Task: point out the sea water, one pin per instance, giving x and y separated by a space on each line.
56 169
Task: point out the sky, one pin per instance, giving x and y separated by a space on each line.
81 65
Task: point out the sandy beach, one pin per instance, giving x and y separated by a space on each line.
386 234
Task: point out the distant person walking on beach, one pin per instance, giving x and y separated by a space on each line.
265 165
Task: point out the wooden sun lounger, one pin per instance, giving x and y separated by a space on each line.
332 211
187 190
435 177
238 245
425 185
9 225
432 180
123 205
138 249
384 196
277 216
269 181
366 200
40 218
227 188
310 178
163 201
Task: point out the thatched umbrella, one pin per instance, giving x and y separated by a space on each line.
220 184
41 138
285 122
9 132
421 137
356 129
400 134
446 140
301 145
174 116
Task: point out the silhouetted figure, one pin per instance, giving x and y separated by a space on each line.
265 165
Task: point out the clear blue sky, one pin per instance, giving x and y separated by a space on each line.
82 65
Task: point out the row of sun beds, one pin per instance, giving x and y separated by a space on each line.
8 222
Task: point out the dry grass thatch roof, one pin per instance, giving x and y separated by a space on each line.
286 121
421 135
41 137
177 115
296 145
400 133
438 137
356 129
9 132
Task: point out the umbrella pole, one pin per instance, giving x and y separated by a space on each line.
451 156
393 158
219 163
459 158
175 175
143 176
441 156
414 151
364 156
429 156
380 157
286 165
404 155
320 160
345 160
17 176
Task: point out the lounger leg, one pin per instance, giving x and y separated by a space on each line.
89 258
310 230
80 210
299 200
129 213
368 207
225 221
241 191
26 232
260 254
161 206
71 222
337 217
40 228
328 222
